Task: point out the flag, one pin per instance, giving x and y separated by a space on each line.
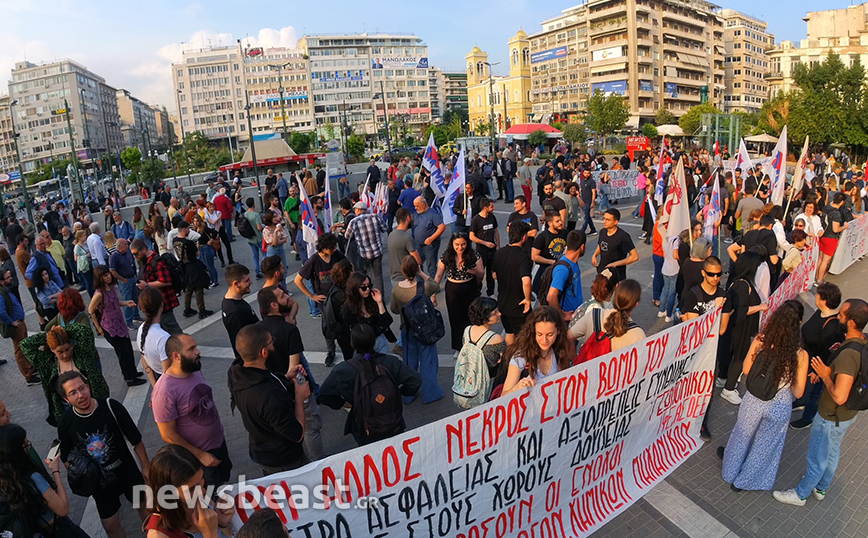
364 193
742 160
717 147
714 209
660 185
456 189
799 174
328 207
675 216
309 225
381 199
431 162
779 169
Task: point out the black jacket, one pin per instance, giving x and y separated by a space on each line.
267 405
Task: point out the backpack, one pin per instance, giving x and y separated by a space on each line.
331 316
378 406
600 342
486 170
19 525
857 400
245 229
546 282
471 382
422 319
760 381
177 274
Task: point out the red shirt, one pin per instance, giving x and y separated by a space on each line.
157 271
223 205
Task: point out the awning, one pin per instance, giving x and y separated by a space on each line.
608 67
274 161
719 49
669 36
690 59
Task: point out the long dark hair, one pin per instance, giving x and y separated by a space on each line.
16 468
38 281
745 268
450 257
782 339
525 345
150 303
100 271
173 465
624 300
354 301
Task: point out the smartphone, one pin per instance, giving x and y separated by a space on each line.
300 379
53 450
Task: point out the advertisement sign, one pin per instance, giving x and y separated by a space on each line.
617 87
565 87
394 111
646 86
852 245
607 54
335 166
560 459
336 76
399 62
671 89
546 55
275 97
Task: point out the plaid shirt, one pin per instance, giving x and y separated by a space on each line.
161 273
367 228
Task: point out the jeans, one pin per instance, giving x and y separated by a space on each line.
639 206
301 247
227 226
490 182
206 254
129 292
429 257
313 448
87 276
604 201
277 251
510 190
810 400
824 450
381 345
312 305
343 190
588 221
667 295
423 359
374 269
657 285
257 251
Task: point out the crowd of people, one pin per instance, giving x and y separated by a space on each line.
517 314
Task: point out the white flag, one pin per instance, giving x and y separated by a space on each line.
675 216
455 189
779 169
799 174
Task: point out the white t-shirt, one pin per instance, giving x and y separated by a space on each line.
520 363
763 281
154 351
670 264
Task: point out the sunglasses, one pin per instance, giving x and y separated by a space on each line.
713 275
364 287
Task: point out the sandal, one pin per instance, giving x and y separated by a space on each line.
655 303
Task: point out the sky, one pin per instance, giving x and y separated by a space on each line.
134 48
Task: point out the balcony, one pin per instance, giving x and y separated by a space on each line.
775 75
608 12
683 19
606 27
681 31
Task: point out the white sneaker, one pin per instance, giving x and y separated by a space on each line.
819 494
668 319
661 314
719 383
788 497
731 396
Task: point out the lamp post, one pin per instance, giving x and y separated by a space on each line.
253 150
72 150
280 68
184 141
491 104
20 169
386 120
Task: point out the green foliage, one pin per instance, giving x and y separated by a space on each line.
649 130
132 158
775 113
482 129
330 131
301 142
356 146
574 133
559 125
606 114
690 121
537 138
152 169
665 117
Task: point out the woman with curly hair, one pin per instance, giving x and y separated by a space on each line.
29 494
335 299
60 350
541 349
462 267
753 452
70 309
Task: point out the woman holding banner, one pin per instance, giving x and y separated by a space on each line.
775 370
541 349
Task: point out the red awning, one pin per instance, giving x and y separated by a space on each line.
527 128
308 157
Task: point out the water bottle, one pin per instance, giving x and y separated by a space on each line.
676 318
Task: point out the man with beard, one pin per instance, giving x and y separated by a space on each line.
237 312
186 413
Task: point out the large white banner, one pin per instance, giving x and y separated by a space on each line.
623 183
852 245
560 459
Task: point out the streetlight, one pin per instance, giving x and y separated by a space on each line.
385 120
247 108
20 169
72 150
184 141
491 104
280 68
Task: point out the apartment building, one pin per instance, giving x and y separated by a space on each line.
41 92
436 83
163 128
138 122
266 72
355 78
654 53
746 40
455 92
507 98
8 159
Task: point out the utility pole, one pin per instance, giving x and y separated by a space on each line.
184 140
386 120
491 104
253 150
72 150
24 195
280 68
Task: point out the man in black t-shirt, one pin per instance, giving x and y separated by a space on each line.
763 236
99 428
615 248
522 214
552 202
195 274
549 245
512 269
588 195
237 313
706 296
483 232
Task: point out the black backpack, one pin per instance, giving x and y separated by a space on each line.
331 315
377 404
546 282
486 170
858 398
177 274
244 227
422 319
761 382
18 524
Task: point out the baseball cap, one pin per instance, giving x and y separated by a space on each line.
360 205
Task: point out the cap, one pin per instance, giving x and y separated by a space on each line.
360 205
527 159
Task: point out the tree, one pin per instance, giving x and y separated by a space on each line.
665 117
537 138
574 133
606 114
132 158
559 125
330 131
649 130
775 113
356 146
690 121
441 134
300 142
152 170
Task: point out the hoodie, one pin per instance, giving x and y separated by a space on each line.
267 405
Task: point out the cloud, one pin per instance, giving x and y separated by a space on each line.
14 49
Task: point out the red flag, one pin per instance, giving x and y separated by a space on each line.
717 147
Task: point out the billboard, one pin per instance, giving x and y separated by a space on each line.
671 89
336 76
617 87
607 54
546 55
398 62
646 86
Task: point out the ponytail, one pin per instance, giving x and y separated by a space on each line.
624 300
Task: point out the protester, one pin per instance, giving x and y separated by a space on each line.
484 313
541 348
364 305
237 312
208 243
463 270
549 246
615 248
332 321
156 274
523 214
196 277
512 269
12 316
367 229
582 323
831 233
483 232
47 293
151 336
565 291
428 227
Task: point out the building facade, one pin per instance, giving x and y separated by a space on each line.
356 78
8 159
266 71
163 128
455 93
506 99
436 82
40 113
138 122
746 40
